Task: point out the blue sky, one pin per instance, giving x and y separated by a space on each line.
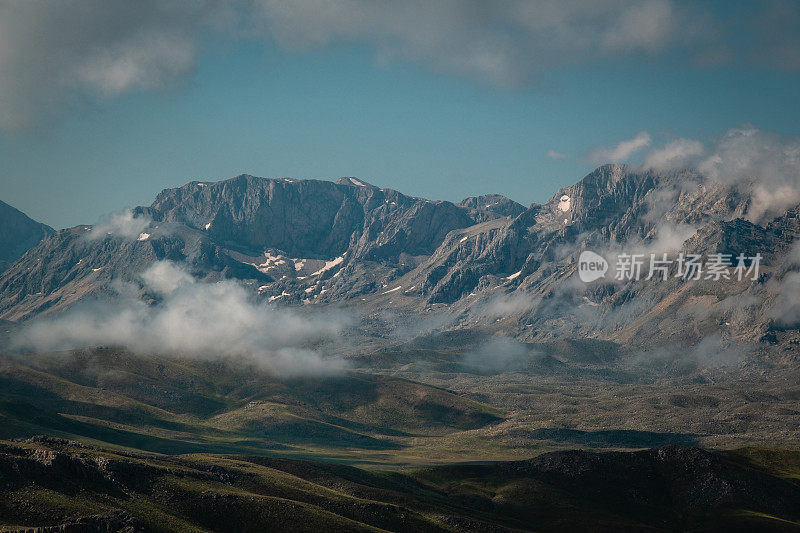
349 107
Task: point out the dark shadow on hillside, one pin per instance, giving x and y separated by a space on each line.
623 438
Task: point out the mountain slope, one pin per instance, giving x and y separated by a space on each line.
314 219
316 242
520 274
18 233
279 234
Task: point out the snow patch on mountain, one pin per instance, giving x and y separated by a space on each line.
329 265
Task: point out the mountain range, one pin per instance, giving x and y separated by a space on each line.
486 261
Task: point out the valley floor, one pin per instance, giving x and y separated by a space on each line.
103 437
390 418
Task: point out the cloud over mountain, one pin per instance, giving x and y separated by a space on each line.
674 154
762 162
124 224
192 319
624 150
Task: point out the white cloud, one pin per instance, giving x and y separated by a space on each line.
216 320
165 277
124 224
623 151
555 156
53 54
669 238
793 257
761 160
502 42
675 154
647 26
504 304
777 42
712 351
748 152
499 354
785 308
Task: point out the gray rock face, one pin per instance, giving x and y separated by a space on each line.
69 266
18 233
309 218
254 229
520 274
490 206
609 205
297 241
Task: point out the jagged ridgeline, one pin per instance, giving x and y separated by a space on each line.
488 260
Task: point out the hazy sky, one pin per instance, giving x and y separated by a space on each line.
105 103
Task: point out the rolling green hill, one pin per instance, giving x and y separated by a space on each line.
169 405
54 482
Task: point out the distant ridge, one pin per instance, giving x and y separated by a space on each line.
18 233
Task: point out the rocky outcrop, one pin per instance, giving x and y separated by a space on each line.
688 478
491 206
113 522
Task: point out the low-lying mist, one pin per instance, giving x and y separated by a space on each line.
171 313
500 354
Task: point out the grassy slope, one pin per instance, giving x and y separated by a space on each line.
174 406
46 481
134 409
